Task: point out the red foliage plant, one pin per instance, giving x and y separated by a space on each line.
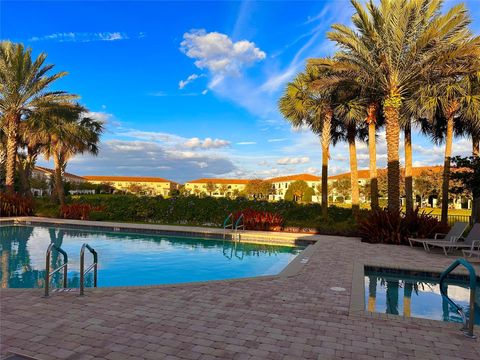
15 205
260 220
78 211
390 227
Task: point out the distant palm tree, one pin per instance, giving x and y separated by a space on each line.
449 107
24 85
404 45
65 132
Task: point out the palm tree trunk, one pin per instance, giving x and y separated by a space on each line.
475 194
475 145
58 179
392 129
326 134
372 150
408 169
351 134
446 167
12 145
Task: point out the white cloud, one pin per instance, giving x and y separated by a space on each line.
312 170
83 37
204 92
276 140
219 54
207 143
293 160
246 143
147 158
188 80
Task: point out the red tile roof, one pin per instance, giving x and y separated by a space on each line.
304 177
51 172
218 181
126 178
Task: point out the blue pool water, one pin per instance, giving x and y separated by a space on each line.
133 259
416 294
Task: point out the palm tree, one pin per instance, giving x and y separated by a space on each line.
24 84
351 111
65 132
342 74
303 106
449 107
403 45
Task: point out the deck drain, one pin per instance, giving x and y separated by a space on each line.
336 288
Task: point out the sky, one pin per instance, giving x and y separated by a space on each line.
189 89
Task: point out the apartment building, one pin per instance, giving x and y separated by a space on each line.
216 187
141 185
281 184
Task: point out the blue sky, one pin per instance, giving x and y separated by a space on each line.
189 89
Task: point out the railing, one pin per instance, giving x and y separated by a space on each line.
227 225
64 266
239 224
92 266
467 322
452 219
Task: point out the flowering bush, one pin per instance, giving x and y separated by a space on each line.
260 220
15 205
390 227
79 211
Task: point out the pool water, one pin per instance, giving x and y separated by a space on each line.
132 259
417 295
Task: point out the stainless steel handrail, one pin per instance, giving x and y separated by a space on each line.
467 322
64 266
93 266
226 225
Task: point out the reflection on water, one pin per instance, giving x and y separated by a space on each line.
392 294
132 259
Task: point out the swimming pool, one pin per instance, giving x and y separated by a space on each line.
132 259
416 294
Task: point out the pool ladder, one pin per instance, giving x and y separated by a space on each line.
234 225
468 321
64 266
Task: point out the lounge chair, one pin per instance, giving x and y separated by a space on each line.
455 232
455 244
473 251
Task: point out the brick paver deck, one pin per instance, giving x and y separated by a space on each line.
297 317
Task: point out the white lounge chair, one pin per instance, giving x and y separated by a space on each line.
473 251
455 244
455 232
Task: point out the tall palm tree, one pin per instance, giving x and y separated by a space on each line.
65 132
403 45
339 74
350 109
24 85
304 106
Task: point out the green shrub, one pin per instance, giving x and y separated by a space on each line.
192 210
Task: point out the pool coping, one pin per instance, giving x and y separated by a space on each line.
357 295
292 269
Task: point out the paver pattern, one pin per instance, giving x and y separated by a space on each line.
297 317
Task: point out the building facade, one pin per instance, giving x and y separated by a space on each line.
216 187
153 186
280 184
42 180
